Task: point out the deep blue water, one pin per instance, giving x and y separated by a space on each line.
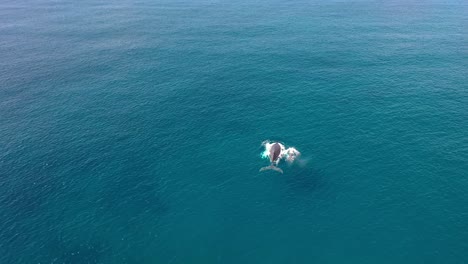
131 131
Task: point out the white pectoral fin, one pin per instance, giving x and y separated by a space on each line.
271 167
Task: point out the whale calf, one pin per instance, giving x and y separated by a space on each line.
274 155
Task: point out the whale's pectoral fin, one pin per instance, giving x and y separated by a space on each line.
271 167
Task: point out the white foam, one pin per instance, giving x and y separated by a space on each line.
289 154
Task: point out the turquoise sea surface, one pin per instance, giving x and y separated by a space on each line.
131 131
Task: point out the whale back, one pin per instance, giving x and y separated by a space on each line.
275 152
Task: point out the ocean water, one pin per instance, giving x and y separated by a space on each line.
131 131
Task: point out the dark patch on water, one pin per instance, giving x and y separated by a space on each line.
14 234
304 179
29 184
134 200
134 192
27 197
60 251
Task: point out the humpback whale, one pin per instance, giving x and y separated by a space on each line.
274 155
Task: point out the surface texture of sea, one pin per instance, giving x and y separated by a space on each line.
131 131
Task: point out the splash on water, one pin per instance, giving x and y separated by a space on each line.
289 154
